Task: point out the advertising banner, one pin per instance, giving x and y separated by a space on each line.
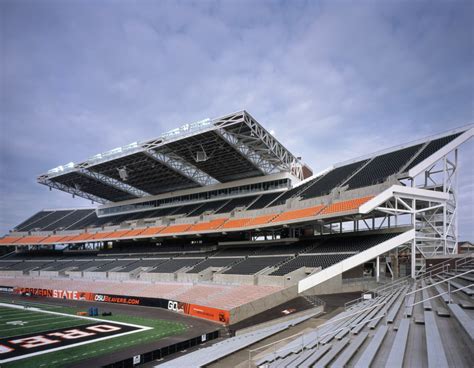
213 314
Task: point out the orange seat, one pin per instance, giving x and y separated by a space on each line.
100 235
53 239
261 220
236 223
31 239
344 206
298 214
211 225
132 233
9 239
152 231
68 238
81 237
117 234
181 228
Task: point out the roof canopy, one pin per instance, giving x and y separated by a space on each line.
220 150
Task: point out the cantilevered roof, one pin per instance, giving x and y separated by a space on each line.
210 151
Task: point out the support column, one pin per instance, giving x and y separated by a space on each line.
377 269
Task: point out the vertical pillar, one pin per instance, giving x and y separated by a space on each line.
413 243
377 269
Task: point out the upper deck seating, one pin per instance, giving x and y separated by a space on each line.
176 264
255 264
236 202
261 220
236 223
264 200
210 225
9 239
69 219
431 148
298 214
309 261
214 262
25 225
208 206
344 206
180 228
31 239
323 185
381 167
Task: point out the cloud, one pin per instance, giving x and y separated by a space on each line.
333 79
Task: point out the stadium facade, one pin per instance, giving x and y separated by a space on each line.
222 204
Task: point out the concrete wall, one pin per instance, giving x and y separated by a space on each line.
263 304
313 311
11 273
235 279
120 275
190 277
49 273
337 285
165 277
286 280
74 274
95 275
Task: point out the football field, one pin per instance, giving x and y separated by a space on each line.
42 335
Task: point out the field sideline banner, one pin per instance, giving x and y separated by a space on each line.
213 314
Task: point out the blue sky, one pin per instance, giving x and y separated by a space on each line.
333 80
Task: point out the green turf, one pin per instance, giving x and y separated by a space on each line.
160 329
34 322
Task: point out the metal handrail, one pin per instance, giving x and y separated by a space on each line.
448 280
378 290
460 262
318 337
437 296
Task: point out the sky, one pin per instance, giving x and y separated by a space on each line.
332 79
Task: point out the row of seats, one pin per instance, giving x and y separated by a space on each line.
250 260
222 223
427 323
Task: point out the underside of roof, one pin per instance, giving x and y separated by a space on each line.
221 150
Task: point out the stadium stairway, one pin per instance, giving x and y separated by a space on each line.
422 324
217 351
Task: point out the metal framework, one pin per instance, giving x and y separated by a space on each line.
124 187
71 190
271 150
182 167
242 149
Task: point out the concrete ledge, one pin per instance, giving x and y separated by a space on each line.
313 311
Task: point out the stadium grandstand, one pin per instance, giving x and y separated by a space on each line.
218 220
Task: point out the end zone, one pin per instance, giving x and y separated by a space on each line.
28 345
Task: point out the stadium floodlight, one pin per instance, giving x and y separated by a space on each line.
123 173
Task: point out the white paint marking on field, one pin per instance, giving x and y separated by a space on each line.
16 323
140 329
74 316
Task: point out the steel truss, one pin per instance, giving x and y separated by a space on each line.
182 167
270 150
117 184
433 219
71 190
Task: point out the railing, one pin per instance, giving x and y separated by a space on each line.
464 261
380 290
319 337
449 292
313 299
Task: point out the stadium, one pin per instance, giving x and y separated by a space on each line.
213 245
